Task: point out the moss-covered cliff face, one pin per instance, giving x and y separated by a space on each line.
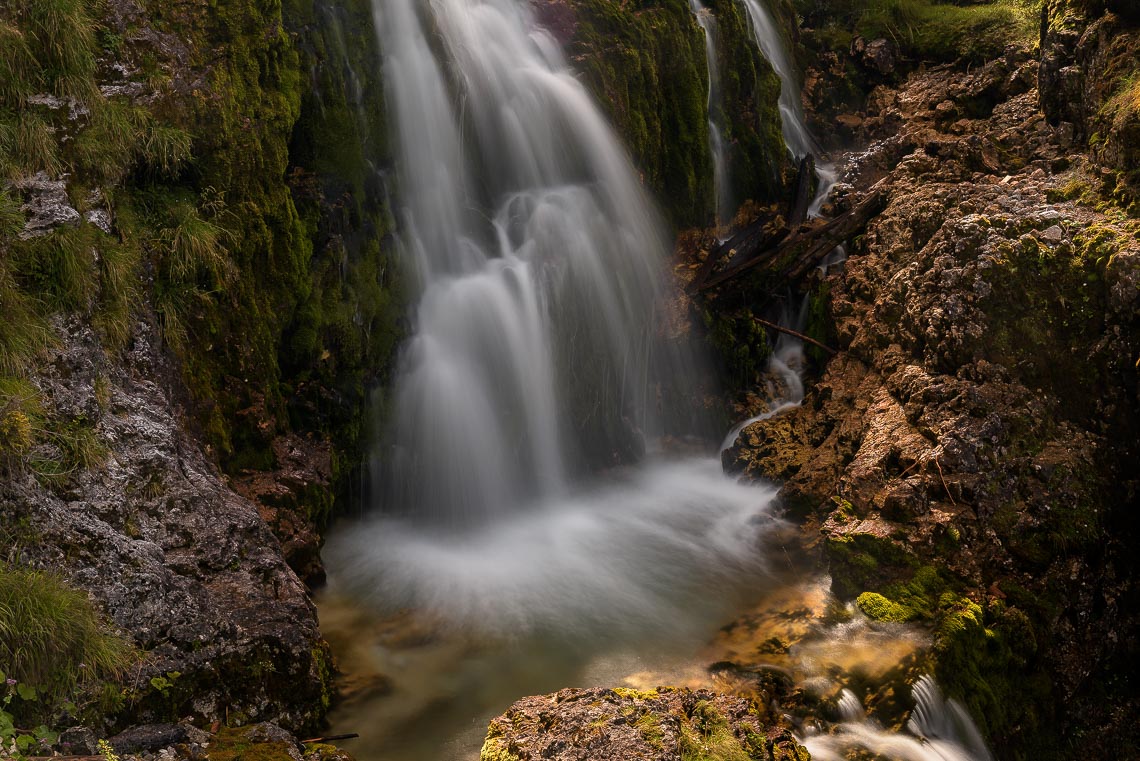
191 220
645 63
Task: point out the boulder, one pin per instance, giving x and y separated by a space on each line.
666 724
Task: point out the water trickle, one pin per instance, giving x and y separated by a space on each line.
785 372
797 136
715 109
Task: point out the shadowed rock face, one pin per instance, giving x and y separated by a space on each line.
666 724
185 567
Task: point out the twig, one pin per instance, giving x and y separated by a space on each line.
944 486
794 334
330 738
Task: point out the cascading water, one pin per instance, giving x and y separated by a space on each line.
539 256
938 730
541 261
715 108
793 123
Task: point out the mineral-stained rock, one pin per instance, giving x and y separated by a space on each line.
665 724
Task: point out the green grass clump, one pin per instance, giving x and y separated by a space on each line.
63 38
61 268
20 414
52 638
194 243
11 217
928 29
19 72
34 146
22 332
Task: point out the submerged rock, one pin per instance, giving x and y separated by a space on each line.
666 724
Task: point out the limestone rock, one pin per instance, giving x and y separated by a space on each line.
47 205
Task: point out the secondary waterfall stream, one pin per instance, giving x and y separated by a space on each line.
530 533
715 108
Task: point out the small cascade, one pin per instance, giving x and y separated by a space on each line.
516 492
939 729
797 136
715 109
785 370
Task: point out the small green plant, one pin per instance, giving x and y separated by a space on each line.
60 267
19 73
194 244
62 36
35 146
107 751
16 742
166 149
11 217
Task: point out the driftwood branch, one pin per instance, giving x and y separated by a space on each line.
794 334
757 237
331 738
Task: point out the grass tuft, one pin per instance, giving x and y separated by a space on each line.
166 149
19 72
60 267
195 244
51 636
119 294
22 333
64 41
12 217
35 146
928 29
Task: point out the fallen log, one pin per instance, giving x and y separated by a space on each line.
808 248
755 236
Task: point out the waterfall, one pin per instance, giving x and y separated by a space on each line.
715 108
534 367
539 257
793 123
797 136
939 730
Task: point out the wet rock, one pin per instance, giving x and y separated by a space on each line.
881 55
663 724
78 741
980 424
148 737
